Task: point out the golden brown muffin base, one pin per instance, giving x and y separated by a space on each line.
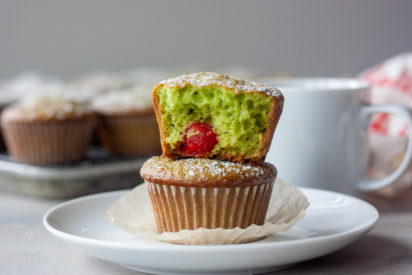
192 193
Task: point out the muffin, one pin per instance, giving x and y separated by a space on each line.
99 83
192 193
47 130
127 124
212 115
23 85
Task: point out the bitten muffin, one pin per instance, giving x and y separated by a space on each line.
212 115
193 193
127 124
47 130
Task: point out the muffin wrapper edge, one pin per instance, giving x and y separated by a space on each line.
49 143
134 214
182 207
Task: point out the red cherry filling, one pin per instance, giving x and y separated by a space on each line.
199 139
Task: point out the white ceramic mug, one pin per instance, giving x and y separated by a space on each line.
321 138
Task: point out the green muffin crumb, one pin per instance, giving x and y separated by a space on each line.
239 119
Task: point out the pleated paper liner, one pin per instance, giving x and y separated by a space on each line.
134 214
49 142
130 135
181 207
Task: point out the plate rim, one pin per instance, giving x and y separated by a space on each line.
364 227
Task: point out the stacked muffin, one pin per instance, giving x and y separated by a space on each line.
215 132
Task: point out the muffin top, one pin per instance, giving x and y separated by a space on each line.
206 79
101 82
24 85
59 92
134 100
205 172
42 108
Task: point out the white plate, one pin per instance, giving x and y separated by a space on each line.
333 220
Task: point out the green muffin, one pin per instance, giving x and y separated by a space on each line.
212 115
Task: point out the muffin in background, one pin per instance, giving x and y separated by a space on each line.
99 83
47 130
24 85
127 125
207 193
20 86
2 144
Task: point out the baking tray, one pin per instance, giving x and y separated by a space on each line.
99 172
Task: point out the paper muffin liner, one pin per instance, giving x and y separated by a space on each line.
131 135
182 207
134 214
49 142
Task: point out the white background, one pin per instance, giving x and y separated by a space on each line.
314 37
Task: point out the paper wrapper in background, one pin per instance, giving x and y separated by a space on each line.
134 214
391 83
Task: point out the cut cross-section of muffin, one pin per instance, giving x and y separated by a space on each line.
212 115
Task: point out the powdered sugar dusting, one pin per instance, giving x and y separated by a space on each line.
203 170
46 107
137 98
205 79
101 82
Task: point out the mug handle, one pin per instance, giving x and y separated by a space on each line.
366 112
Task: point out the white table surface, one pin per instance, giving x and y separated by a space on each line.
27 248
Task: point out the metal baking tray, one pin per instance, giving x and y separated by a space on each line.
99 172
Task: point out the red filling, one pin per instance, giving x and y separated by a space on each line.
199 139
